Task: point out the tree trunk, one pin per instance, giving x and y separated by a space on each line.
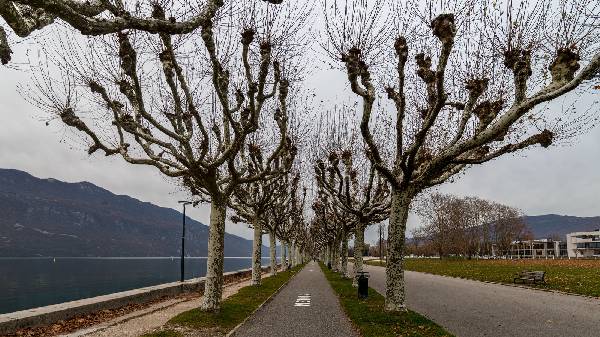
273 251
293 255
395 292
283 256
256 253
289 255
213 287
359 244
338 257
344 254
334 255
298 255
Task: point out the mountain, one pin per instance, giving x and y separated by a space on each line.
552 225
47 217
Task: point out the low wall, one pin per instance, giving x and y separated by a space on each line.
31 318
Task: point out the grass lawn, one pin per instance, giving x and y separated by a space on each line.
234 309
573 276
371 318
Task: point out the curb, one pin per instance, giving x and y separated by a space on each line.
559 292
269 299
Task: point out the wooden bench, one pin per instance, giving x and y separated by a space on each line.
527 276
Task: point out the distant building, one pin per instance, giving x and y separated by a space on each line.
534 249
583 244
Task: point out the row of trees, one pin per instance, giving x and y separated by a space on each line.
206 93
466 226
454 84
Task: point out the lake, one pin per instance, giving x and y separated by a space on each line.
34 282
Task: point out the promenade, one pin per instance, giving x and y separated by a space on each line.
306 306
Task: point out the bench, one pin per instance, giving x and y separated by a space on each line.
534 277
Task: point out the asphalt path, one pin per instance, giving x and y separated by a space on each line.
473 309
305 307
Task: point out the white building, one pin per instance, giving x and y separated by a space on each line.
583 244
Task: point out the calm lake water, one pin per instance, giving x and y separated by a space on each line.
34 282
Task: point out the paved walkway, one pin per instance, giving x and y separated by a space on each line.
305 307
474 309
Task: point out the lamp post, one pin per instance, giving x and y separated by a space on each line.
184 203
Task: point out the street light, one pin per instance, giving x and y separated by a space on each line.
184 203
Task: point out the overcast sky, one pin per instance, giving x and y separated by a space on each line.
561 180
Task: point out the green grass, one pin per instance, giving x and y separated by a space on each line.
163 333
371 318
234 309
573 276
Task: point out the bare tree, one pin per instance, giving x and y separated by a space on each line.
99 17
292 231
467 226
251 202
153 107
508 226
434 212
282 216
331 226
468 85
363 195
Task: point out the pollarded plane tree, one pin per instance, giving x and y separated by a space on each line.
334 226
463 82
323 228
362 193
251 202
186 104
301 242
278 213
344 225
287 212
100 17
282 213
294 231
278 217
279 202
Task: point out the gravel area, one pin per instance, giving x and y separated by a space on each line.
143 321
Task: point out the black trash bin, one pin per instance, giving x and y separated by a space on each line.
329 265
363 284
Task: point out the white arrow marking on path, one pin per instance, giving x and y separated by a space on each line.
303 301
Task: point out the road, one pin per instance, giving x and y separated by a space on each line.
305 307
474 309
